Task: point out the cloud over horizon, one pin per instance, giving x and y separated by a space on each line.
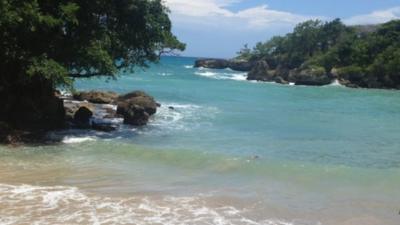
215 13
375 17
213 28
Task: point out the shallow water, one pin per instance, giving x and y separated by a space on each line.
231 152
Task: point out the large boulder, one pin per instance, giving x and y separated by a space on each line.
136 108
71 107
261 72
212 63
138 98
136 115
98 97
241 65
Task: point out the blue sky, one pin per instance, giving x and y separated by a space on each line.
219 28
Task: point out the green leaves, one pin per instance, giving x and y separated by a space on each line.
49 69
57 40
369 55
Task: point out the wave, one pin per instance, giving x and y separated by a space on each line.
178 116
26 204
336 83
164 74
188 66
170 116
76 140
222 75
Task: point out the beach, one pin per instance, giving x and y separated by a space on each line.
220 150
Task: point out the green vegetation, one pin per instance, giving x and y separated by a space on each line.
46 44
366 56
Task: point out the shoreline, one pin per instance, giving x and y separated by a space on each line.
260 71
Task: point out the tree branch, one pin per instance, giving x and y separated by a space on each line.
87 75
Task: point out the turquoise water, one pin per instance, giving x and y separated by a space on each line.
221 113
231 152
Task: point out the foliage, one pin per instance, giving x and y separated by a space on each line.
370 51
60 40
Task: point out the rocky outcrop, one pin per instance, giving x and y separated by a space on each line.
311 77
134 108
234 64
98 97
212 63
241 65
261 72
305 76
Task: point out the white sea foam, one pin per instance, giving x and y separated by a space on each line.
75 140
222 75
164 74
178 116
336 83
188 66
25 204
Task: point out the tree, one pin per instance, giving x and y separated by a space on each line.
45 44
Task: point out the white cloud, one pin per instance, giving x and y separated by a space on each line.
375 17
215 13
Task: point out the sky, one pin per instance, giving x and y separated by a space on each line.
219 28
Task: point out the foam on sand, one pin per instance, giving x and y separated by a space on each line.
25 204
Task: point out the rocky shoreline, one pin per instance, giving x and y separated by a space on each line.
94 110
305 75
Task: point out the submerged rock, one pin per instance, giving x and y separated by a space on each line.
98 97
105 127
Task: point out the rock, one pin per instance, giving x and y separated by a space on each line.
83 115
234 64
136 115
98 97
212 63
240 65
136 108
138 98
260 72
171 108
105 127
280 80
311 77
282 72
71 107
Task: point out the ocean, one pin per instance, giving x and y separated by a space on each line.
220 150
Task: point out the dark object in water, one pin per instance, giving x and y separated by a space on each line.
171 108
